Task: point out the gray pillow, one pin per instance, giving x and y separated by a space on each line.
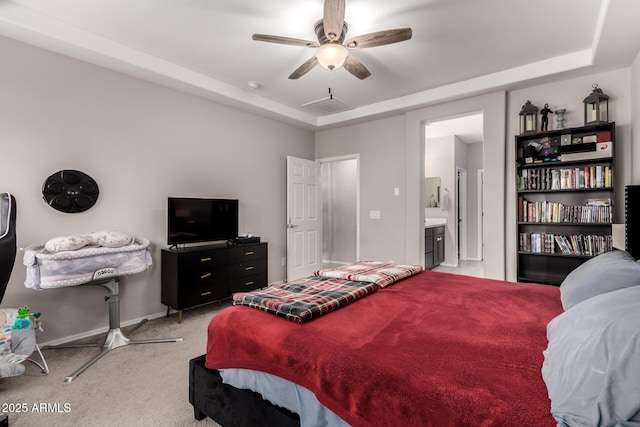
591 365
605 273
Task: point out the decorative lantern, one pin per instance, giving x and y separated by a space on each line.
596 107
528 118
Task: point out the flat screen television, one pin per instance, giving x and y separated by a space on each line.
192 220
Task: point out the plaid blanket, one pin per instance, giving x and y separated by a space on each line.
381 273
305 299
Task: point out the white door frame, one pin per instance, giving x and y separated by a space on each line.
461 214
355 157
480 214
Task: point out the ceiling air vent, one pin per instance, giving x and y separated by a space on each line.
326 106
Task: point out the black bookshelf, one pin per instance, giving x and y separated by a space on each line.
565 195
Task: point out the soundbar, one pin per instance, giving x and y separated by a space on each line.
246 240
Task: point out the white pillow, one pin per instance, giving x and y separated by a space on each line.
66 243
109 239
591 365
607 272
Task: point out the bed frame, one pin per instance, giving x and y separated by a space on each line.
230 406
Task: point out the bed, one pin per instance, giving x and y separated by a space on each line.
433 349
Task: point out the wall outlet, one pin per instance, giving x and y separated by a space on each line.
284 260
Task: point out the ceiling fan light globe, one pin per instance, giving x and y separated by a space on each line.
331 55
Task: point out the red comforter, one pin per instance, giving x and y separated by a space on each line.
435 349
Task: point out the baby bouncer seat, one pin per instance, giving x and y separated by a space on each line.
17 331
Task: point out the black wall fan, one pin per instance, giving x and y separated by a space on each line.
332 48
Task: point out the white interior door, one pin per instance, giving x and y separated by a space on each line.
304 218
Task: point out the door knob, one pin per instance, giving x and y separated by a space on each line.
291 224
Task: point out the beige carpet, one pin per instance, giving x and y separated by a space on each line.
136 385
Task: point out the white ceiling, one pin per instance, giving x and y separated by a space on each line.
468 128
459 47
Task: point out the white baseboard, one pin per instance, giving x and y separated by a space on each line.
337 262
474 259
98 331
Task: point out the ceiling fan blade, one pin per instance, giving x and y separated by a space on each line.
284 40
356 68
379 38
304 68
333 18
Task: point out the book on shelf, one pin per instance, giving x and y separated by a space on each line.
573 244
593 211
581 177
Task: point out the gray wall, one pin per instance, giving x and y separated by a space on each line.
392 154
380 144
382 169
142 143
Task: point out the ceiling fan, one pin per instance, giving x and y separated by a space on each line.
332 48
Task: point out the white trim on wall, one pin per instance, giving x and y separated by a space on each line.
461 214
480 193
493 106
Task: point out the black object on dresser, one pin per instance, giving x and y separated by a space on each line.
632 219
203 274
433 246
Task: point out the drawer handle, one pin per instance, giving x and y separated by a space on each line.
249 283
204 276
249 253
204 294
205 259
248 268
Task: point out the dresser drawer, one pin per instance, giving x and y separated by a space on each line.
248 283
202 274
248 268
243 253
202 261
203 293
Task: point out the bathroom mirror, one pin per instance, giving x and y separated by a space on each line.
432 192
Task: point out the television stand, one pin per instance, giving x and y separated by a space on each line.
198 275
